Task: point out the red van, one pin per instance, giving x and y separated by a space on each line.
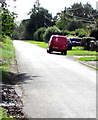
58 43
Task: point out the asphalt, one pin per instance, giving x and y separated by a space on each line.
53 85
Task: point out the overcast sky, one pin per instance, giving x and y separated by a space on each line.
54 6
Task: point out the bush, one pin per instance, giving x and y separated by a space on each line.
73 25
38 35
94 33
66 32
81 32
51 31
86 42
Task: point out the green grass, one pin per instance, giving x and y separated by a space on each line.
80 51
7 49
92 58
3 115
40 44
7 54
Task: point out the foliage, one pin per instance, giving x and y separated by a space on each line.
39 17
81 32
84 12
7 22
94 33
73 25
86 42
3 115
97 24
38 35
63 21
77 16
7 51
23 31
51 31
68 33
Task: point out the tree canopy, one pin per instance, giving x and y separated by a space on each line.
39 17
78 16
7 20
83 13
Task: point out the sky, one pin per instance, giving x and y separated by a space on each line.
24 6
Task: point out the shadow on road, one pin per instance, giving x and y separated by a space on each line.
10 78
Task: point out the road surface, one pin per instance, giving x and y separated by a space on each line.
54 86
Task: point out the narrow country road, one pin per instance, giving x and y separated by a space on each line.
53 85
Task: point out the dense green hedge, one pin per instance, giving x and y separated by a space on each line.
81 32
38 35
94 33
51 31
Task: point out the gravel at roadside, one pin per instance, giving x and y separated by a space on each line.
10 100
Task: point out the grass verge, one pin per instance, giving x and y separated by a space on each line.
7 55
3 115
40 44
80 51
92 58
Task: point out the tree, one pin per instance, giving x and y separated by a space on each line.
51 31
81 32
83 12
76 10
38 35
77 16
7 20
39 17
63 21
94 33
73 25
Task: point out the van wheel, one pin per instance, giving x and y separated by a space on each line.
62 53
48 51
65 52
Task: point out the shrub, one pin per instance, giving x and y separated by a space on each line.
94 33
81 32
73 25
38 35
51 31
66 32
86 42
